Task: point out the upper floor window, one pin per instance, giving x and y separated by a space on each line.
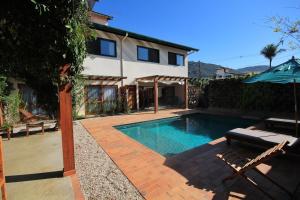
102 47
176 59
147 54
108 47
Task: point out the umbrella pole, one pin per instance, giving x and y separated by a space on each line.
296 107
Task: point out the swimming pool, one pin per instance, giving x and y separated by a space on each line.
171 136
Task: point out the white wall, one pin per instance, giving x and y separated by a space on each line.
132 68
102 66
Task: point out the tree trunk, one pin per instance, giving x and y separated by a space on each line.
270 63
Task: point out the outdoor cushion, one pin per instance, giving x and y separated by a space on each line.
280 120
262 137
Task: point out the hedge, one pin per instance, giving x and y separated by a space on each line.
233 93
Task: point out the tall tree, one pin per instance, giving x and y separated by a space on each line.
289 29
39 36
270 51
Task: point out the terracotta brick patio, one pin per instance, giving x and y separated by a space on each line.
194 174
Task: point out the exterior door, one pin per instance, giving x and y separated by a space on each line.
93 100
100 98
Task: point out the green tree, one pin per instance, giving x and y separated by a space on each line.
11 111
37 37
270 51
78 95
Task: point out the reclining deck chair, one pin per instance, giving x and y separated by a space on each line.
29 117
241 165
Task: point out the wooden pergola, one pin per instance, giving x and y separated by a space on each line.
157 78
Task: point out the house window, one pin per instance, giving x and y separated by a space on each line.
147 54
108 48
176 59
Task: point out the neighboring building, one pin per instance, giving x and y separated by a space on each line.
224 73
119 60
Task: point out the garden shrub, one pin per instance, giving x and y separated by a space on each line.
234 94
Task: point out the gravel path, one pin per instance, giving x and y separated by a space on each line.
99 177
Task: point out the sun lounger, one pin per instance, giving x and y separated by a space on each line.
260 137
279 122
240 165
29 117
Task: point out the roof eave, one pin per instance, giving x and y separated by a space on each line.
141 37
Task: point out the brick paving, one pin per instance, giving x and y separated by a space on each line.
194 174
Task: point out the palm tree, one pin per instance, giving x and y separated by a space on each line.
270 51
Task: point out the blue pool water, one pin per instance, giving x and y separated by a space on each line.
175 135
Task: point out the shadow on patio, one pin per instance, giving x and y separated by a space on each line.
205 171
33 168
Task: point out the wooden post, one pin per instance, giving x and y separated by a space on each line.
1 114
155 95
186 94
137 97
2 175
66 123
296 106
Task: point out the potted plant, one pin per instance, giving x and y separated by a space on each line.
113 107
11 111
7 128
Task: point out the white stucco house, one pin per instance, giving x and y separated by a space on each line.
225 73
151 71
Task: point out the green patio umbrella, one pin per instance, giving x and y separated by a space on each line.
288 72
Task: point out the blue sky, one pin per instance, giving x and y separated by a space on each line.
230 33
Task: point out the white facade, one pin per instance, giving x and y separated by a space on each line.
127 65
132 67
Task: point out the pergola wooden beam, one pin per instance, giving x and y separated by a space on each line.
104 78
163 78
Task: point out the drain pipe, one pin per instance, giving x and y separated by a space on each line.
191 52
121 58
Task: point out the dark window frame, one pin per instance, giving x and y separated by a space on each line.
108 40
175 54
149 54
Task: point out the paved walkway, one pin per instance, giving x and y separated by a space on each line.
33 168
194 174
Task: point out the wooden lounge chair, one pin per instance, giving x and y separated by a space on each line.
259 137
281 123
2 177
29 117
240 165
